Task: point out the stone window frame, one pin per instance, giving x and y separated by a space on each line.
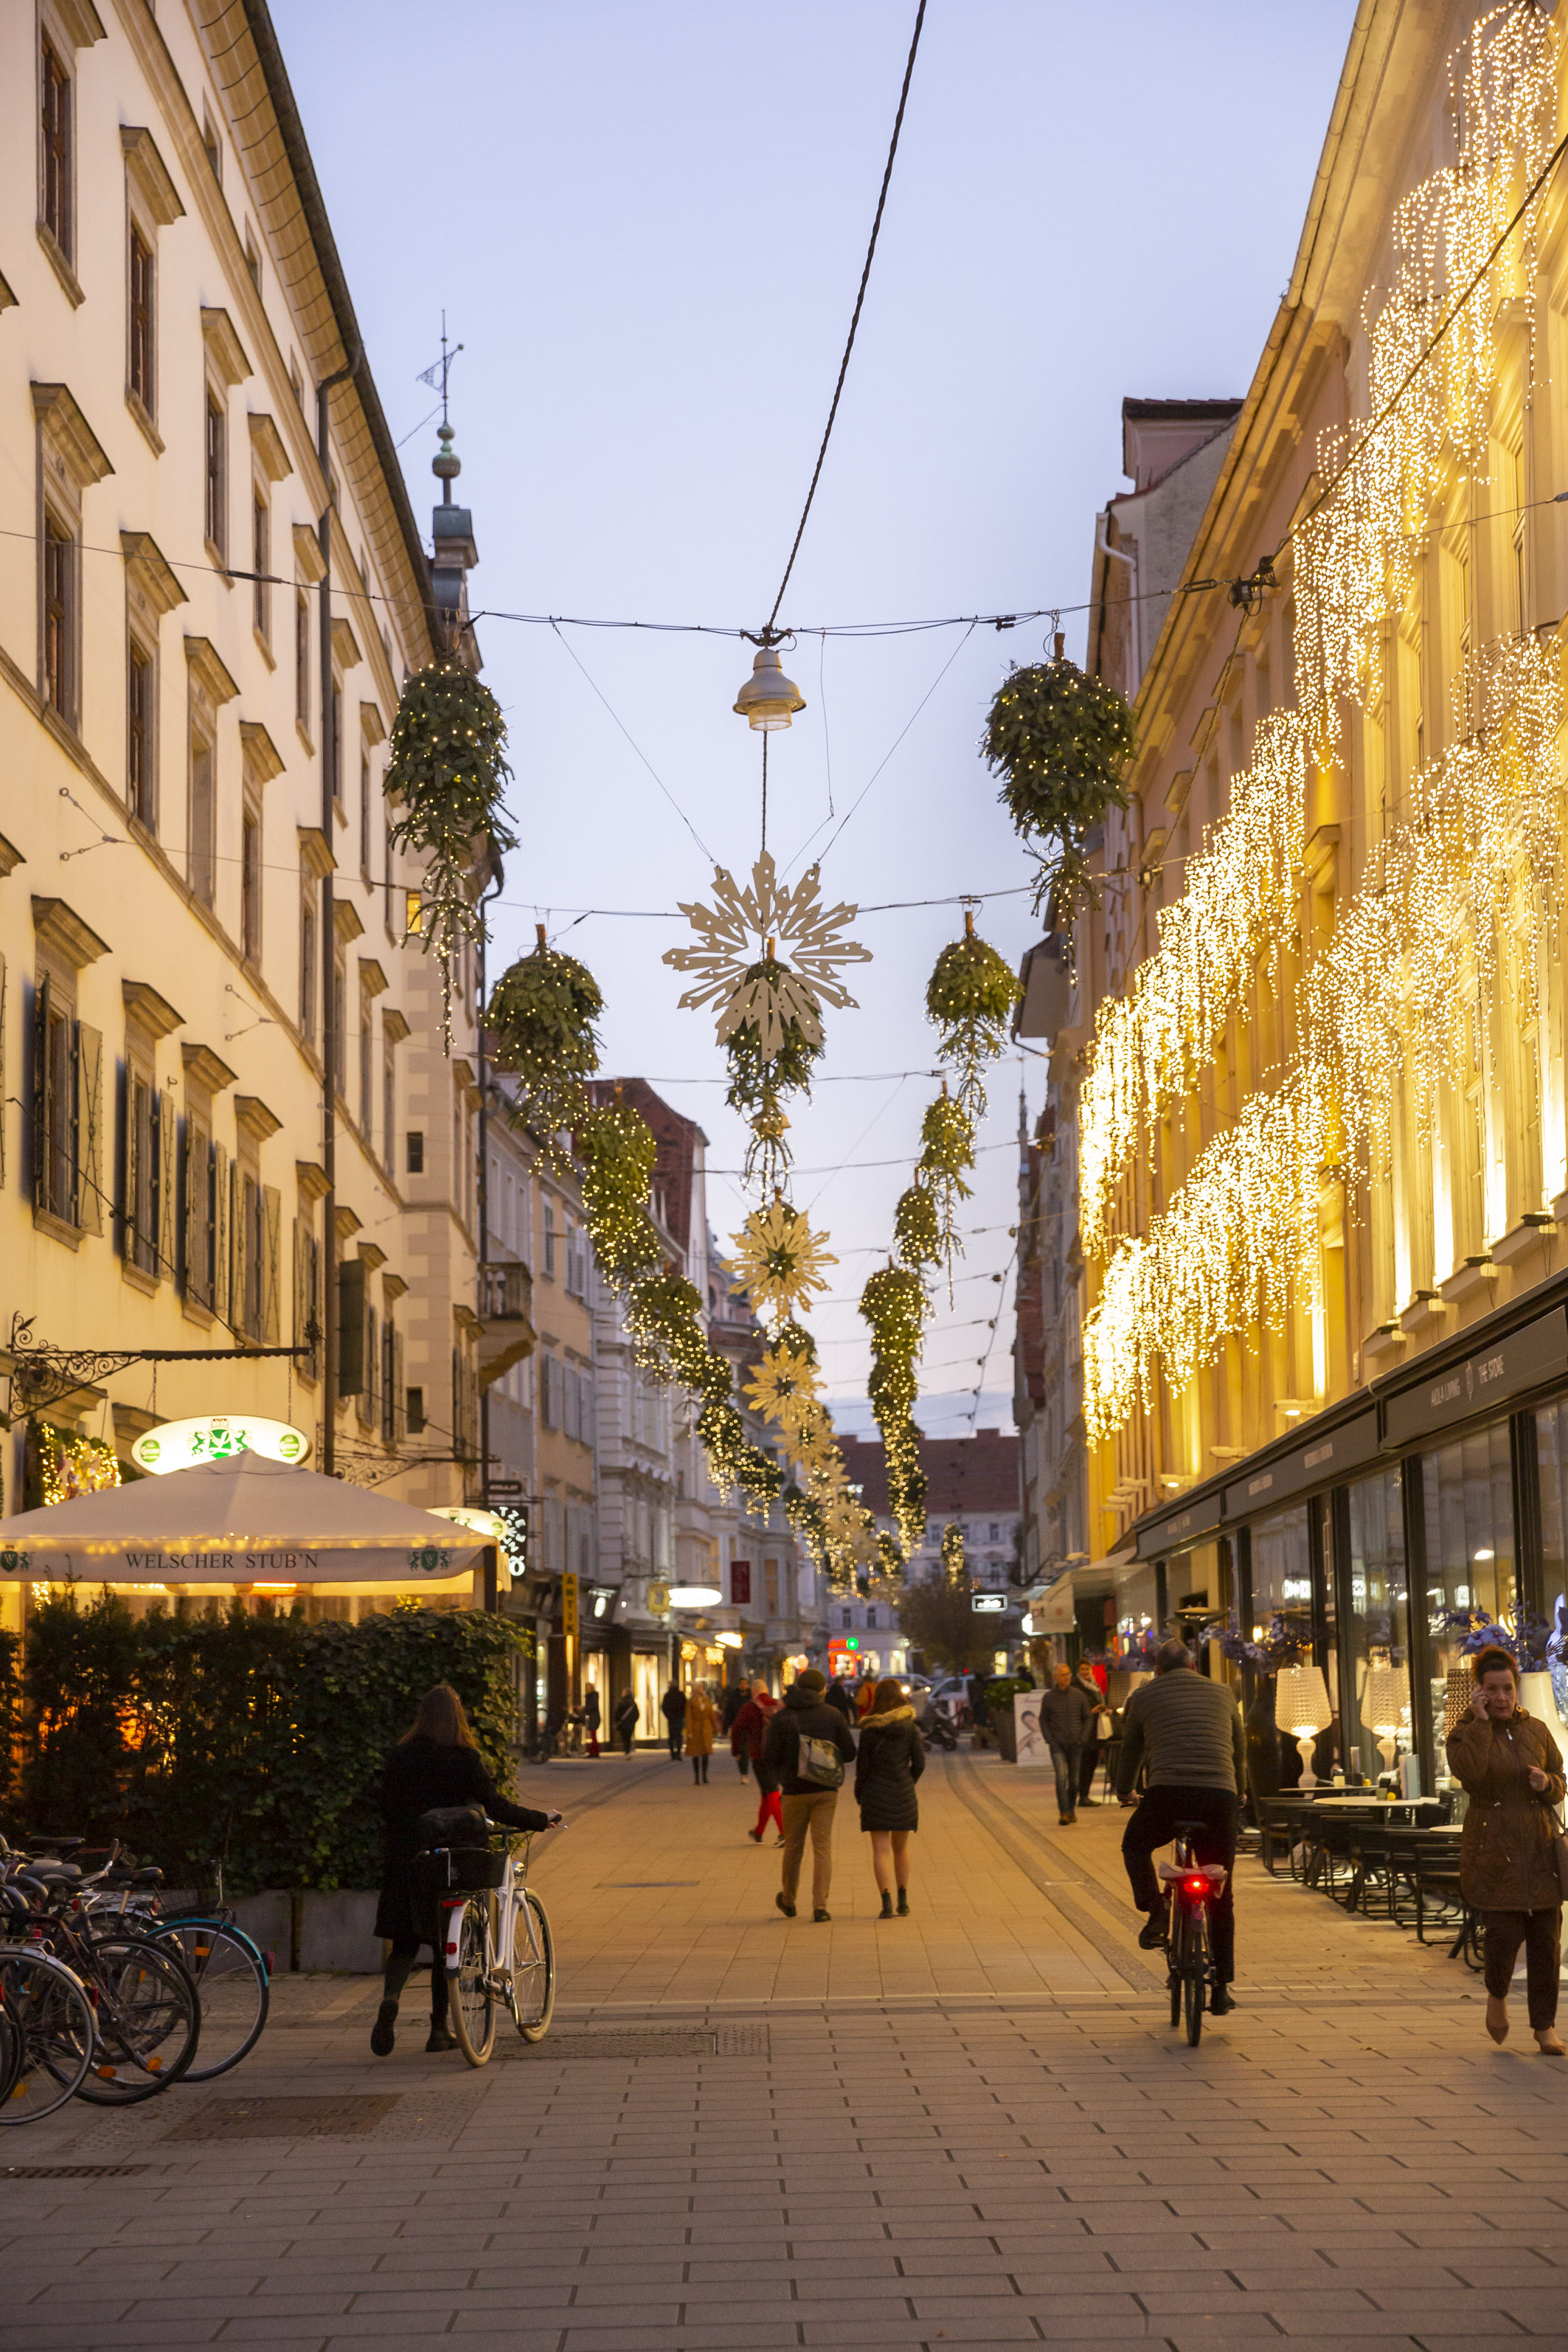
255 1228
226 367
152 592
70 461
206 1076
151 205
270 464
315 860
371 734
372 984
147 1195
394 1030
62 29
309 572
260 760
208 686
68 1115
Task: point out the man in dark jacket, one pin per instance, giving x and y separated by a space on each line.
1066 1716
736 1697
1190 1731
626 1716
803 1742
840 1695
672 1706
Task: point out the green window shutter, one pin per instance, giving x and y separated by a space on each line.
351 1325
272 1251
223 1195
164 1208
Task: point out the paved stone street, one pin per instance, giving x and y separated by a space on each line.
968 2127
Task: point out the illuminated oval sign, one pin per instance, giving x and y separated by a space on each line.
217 1437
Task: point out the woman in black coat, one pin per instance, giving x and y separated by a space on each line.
892 1758
435 1764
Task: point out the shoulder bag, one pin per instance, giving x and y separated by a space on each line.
821 1763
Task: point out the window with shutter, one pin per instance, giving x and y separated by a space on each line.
400 1416
165 1239
390 1383
89 1128
272 1237
571 1422
221 1235
369 1401
351 1327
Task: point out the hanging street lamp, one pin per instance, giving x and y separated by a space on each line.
769 699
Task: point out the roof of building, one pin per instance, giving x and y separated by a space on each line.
963 1473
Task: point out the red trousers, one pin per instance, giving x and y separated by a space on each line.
770 1809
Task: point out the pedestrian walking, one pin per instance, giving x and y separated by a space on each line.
701 1722
1510 1767
628 1715
808 1745
890 1760
840 1697
736 1696
747 1735
1065 1717
591 1718
1089 1764
435 1764
865 1697
672 1706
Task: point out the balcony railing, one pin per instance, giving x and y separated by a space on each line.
506 1292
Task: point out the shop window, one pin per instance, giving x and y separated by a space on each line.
1468 1505
1552 1461
1378 1632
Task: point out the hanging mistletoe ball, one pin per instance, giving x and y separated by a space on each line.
947 1141
917 1228
542 1010
1061 741
755 1077
970 996
618 1149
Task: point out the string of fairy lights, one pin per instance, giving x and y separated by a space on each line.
1446 928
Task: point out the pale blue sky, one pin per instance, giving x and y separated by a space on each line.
645 224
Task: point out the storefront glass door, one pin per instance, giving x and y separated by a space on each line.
1467 1501
1552 1465
1379 1630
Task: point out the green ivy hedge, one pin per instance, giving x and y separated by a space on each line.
255 1740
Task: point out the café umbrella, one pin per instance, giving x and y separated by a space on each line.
248 1521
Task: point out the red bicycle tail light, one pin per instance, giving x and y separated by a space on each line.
1197 1886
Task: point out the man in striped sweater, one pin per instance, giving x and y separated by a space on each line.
1189 1729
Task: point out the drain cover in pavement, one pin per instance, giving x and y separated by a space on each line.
301 2118
67 2171
650 2042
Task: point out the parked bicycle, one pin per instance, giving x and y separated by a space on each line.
230 1972
1191 1887
494 1942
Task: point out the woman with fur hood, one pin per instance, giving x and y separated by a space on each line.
892 1758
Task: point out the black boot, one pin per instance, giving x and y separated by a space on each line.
381 2033
903 1902
886 1910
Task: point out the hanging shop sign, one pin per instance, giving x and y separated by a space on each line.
569 1604
988 1604
217 1437
510 1560
1525 1360
1317 1464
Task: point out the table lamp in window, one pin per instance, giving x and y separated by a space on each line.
1301 1708
1461 1690
1537 1698
1385 1709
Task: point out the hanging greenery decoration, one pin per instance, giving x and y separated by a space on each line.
954 1566
1062 742
732 1459
947 1150
889 1560
446 773
970 997
759 1083
617 1151
542 1010
895 1306
917 1228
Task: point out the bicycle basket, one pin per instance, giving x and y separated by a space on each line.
459 1870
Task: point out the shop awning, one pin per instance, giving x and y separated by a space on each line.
250 1520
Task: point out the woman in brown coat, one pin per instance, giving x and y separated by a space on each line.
701 1722
1509 1765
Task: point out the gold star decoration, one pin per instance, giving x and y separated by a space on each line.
782 1388
779 1259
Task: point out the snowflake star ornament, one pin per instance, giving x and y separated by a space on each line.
783 1389
780 1260
741 929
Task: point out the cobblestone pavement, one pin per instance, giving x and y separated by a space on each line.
970 2127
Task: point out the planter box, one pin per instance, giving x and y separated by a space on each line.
335 1931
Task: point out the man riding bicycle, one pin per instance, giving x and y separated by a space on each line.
1189 1731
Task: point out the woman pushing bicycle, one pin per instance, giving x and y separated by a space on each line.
436 1764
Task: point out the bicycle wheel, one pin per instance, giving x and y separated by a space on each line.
532 1968
1176 1945
230 1978
1194 1977
470 1994
49 2018
148 2019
